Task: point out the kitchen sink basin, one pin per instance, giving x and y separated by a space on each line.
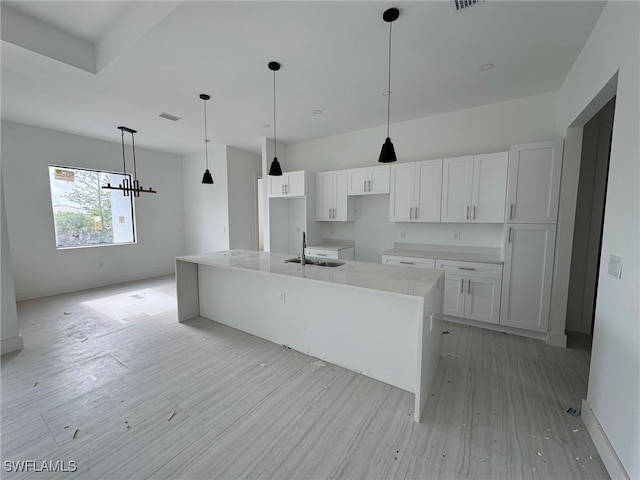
316 262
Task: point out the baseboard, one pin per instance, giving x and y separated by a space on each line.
76 287
557 339
608 455
496 327
11 344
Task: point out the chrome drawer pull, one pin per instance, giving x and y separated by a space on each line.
407 263
466 268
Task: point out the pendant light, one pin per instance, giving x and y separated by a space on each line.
275 169
129 187
206 178
388 153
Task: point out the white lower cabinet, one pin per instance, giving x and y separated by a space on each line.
528 270
472 290
408 261
333 253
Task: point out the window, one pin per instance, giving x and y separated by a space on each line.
84 213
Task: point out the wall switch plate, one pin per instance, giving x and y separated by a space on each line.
456 235
615 266
282 297
403 233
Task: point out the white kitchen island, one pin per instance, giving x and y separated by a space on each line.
379 320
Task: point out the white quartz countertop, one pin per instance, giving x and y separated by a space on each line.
448 252
386 279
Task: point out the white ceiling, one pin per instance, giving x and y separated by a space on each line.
155 57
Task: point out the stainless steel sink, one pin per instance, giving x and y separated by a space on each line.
317 262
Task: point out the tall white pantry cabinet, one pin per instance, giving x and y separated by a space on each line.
533 188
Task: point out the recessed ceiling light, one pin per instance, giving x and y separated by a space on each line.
266 125
317 112
486 66
386 93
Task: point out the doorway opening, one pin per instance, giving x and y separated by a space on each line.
588 227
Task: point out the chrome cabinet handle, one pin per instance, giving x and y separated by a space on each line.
407 263
415 213
466 268
469 287
369 185
474 212
511 212
510 234
320 254
467 212
410 213
334 213
462 286
364 185
282 188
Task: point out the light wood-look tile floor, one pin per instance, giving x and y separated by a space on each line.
152 398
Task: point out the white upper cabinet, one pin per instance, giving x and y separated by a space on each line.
368 180
534 182
489 187
332 202
473 188
415 191
289 184
457 178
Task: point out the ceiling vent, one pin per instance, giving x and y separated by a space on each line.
459 5
168 116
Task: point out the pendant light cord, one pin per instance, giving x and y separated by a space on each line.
206 139
124 163
389 84
133 148
275 138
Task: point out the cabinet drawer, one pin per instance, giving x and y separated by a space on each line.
470 269
408 261
317 252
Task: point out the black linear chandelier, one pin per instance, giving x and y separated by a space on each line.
388 153
275 169
206 178
129 187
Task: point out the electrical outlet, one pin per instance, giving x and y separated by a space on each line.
615 266
456 235
403 234
282 297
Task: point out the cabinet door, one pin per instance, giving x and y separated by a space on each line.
276 186
533 186
324 196
295 184
483 299
528 268
454 295
401 199
342 204
379 179
428 189
457 177
489 187
358 178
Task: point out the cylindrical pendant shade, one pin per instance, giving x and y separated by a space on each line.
207 178
275 169
388 153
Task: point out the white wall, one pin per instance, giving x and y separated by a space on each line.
486 129
206 212
9 331
243 169
614 379
39 269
